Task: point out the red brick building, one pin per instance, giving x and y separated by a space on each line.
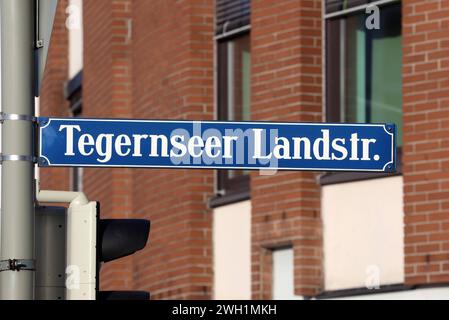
228 234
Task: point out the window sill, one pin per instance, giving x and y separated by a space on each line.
330 178
342 177
388 288
219 201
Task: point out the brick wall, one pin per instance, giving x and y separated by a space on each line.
426 140
52 100
173 79
286 86
125 77
107 94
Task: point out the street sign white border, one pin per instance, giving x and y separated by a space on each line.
49 164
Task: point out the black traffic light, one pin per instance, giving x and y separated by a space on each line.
118 238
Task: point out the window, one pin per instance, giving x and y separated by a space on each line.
339 5
283 275
234 90
233 80
234 60
364 65
74 94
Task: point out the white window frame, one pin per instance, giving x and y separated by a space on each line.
355 9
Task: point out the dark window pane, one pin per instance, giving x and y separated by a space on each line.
234 98
333 70
364 77
234 79
386 75
239 86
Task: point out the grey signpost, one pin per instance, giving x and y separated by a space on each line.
17 70
25 35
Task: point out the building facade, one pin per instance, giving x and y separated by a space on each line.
273 235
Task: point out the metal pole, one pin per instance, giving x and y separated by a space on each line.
17 227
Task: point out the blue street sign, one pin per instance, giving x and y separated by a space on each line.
75 142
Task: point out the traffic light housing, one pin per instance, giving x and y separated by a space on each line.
71 245
50 242
81 252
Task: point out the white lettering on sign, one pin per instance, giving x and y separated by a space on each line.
69 135
105 146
